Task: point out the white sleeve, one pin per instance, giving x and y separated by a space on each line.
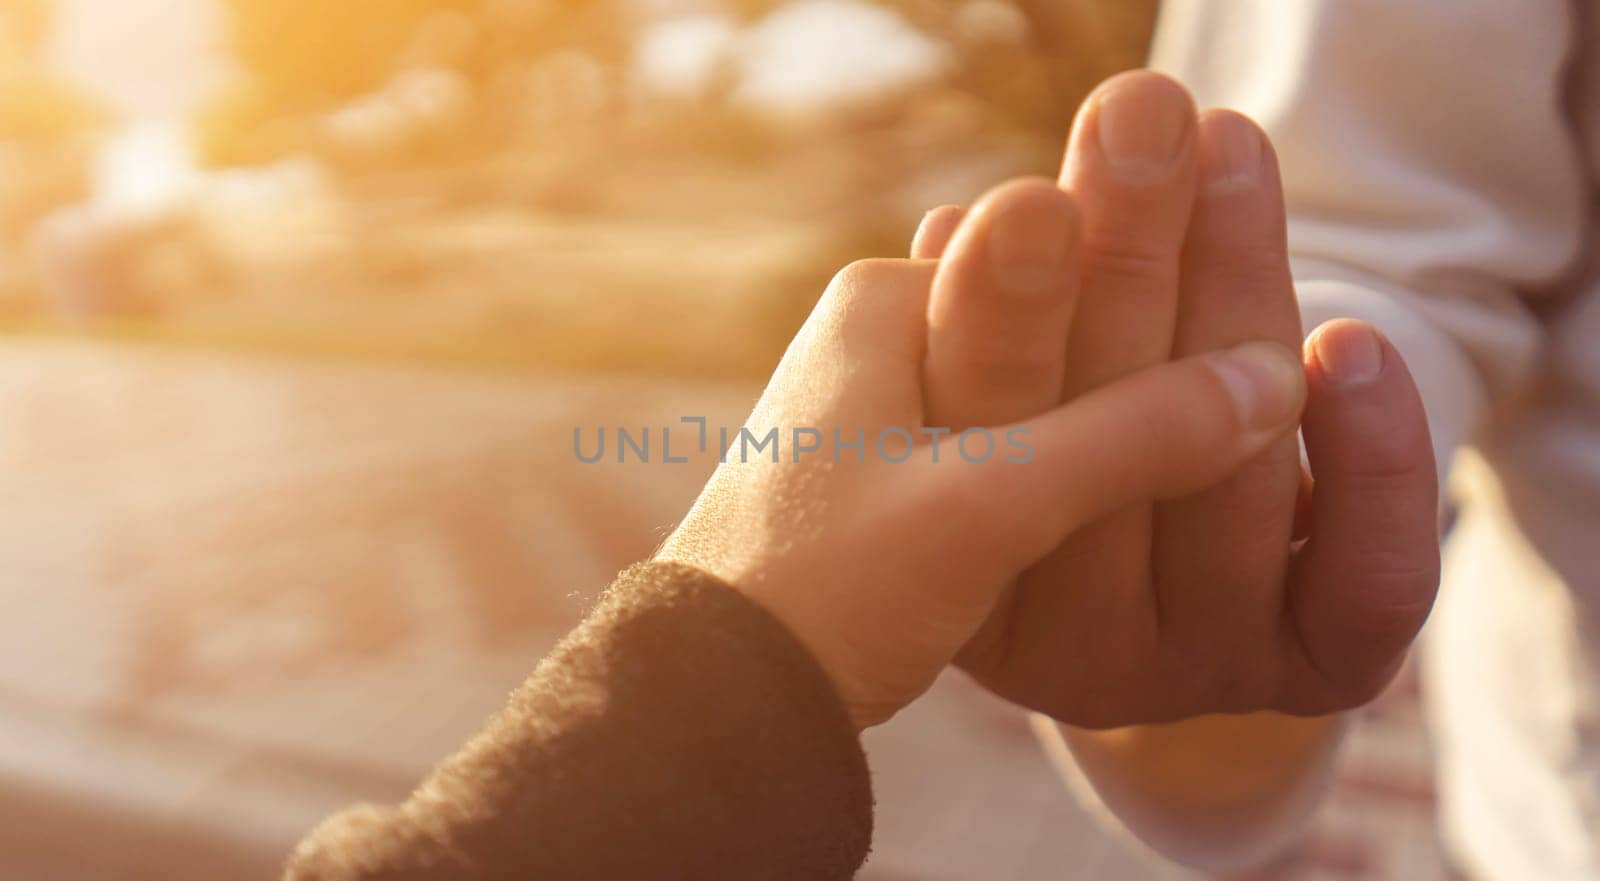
1432 175
1434 185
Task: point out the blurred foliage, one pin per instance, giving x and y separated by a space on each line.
301 58
312 53
1026 62
48 131
491 179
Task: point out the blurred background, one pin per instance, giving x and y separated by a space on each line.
531 182
300 303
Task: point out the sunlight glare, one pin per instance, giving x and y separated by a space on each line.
146 170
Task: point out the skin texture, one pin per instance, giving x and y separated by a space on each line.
1195 605
1198 604
885 570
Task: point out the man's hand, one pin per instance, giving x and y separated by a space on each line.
1196 604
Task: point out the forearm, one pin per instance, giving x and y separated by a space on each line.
679 732
1213 792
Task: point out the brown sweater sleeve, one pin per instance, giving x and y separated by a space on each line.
679 732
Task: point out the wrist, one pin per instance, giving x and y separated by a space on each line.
1213 792
797 620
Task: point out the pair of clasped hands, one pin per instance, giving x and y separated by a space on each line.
1162 553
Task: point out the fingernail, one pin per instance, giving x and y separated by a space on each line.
1141 129
1233 160
934 230
1028 244
1264 380
1350 353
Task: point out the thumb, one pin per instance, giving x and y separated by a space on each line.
1364 583
1164 432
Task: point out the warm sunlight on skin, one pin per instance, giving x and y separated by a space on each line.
316 315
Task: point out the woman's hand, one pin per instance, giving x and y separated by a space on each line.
884 543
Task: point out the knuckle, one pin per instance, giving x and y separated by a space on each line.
861 275
1390 523
1000 362
1130 257
877 306
1399 594
1391 457
1151 428
1024 188
1371 447
1251 270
